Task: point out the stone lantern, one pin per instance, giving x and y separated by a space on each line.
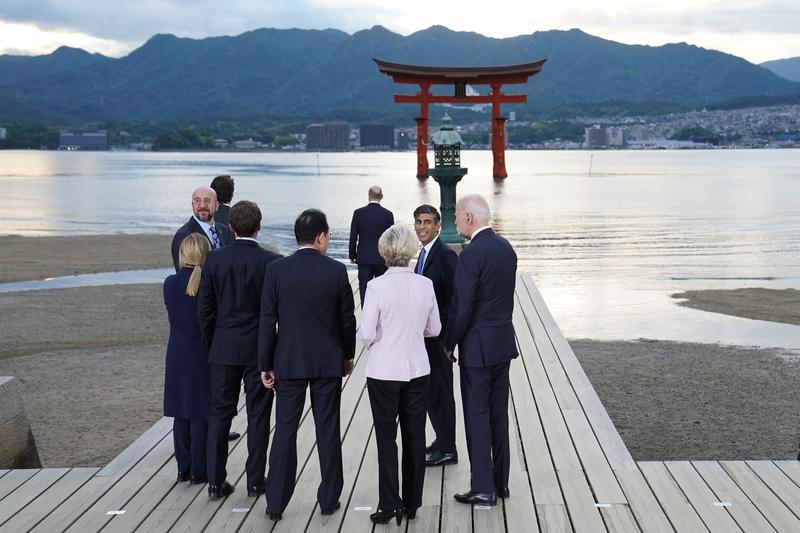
447 172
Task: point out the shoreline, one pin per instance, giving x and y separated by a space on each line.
772 305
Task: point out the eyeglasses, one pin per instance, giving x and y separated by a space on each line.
330 234
204 201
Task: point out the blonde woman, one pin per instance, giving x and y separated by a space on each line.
399 312
187 382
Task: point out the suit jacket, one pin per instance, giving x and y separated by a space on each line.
225 237
309 297
440 268
368 223
222 215
229 299
479 320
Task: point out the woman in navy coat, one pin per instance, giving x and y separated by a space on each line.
187 381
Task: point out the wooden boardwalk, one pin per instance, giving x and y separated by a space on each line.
570 471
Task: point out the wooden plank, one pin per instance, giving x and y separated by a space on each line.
619 519
43 505
701 497
580 502
457 517
776 512
742 509
672 499
429 514
617 453
604 484
778 482
649 514
116 498
29 491
3 472
553 518
519 509
14 479
538 457
791 469
134 453
364 495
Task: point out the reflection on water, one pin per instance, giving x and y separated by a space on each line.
606 250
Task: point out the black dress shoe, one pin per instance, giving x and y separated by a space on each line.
183 476
438 458
432 448
504 493
382 517
476 498
328 512
232 435
257 490
198 480
274 516
216 492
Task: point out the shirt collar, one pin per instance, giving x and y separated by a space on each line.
205 225
474 233
430 245
395 270
246 239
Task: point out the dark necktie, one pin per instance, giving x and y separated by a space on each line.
420 261
214 237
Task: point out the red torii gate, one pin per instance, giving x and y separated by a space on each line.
460 77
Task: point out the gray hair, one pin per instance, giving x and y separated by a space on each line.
477 206
398 245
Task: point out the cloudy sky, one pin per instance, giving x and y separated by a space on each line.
757 30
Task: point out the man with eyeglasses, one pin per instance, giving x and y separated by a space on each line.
204 205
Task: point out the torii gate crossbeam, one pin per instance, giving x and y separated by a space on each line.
460 77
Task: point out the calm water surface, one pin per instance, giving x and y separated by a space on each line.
606 249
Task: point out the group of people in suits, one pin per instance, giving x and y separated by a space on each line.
286 325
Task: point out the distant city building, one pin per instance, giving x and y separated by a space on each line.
512 116
402 141
640 133
328 136
83 140
377 136
2 133
221 143
595 137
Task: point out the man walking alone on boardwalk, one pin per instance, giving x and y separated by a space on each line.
368 224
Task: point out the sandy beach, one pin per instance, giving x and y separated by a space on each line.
756 303
90 361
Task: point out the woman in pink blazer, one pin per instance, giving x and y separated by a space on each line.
399 312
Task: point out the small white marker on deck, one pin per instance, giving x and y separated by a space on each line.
602 505
116 512
722 504
482 507
240 510
362 508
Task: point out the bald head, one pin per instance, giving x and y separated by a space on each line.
204 203
375 194
472 212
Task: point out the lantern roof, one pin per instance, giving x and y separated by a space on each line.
447 135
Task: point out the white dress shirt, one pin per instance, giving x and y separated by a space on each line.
427 253
399 312
207 229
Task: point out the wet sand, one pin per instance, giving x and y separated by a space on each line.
91 365
35 258
757 303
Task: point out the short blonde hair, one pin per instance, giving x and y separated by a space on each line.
398 245
193 251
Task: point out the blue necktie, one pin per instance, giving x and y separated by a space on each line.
420 261
214 237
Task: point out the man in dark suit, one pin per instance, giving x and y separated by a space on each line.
204 206
308 297
437 261
480 323
223 186
368 223
228 308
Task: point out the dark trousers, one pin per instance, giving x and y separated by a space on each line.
408 401
484 393
366 273
442 403
326 396
225 386
190 437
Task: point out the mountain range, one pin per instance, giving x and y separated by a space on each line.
785 68
329 74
